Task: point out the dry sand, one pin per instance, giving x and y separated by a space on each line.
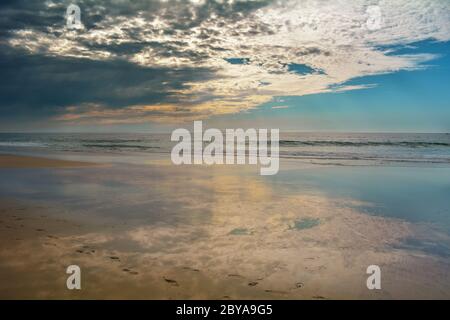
13 161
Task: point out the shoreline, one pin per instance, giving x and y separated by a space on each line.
18 161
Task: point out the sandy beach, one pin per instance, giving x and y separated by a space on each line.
222 234
14 161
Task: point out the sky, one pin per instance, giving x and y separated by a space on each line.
305 65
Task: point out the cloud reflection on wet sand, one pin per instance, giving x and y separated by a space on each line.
222 234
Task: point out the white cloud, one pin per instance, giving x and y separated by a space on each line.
280 107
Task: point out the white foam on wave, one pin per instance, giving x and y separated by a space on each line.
22 144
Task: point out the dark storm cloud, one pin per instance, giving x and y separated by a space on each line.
42 86
23 14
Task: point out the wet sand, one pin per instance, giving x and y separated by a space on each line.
221 234
325 263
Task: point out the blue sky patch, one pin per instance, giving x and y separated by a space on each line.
238 60
303 69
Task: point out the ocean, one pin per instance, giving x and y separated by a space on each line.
319 148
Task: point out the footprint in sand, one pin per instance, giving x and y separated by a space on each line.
252 283
114 258
130 271
171 281
191 269
88 249
235 275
